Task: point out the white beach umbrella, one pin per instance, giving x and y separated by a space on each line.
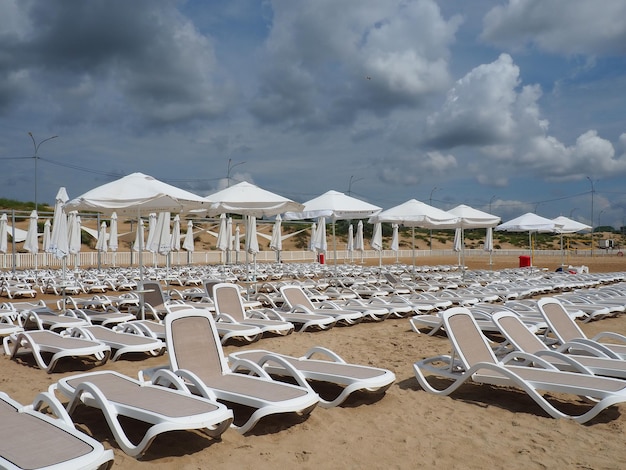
377 241
46 235
252 243
139 244
175 237
31 244
74 236
395 240
4 232
350 243
276 243
102 244
359 244
59 245
470 218
319 242
312 239
229 230
113 233
237 246
161 242
336 206
152 233
188 243
531 223
222 234
489 243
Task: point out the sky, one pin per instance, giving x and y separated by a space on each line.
507 106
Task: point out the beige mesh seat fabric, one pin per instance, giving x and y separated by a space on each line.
331 369
48 347
163 409
473 360
229 306
33 440
196 356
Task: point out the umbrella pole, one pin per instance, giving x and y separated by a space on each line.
413 248
334 247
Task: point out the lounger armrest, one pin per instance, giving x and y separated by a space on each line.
225 317
334 357
609 335
532 358
244 364
593 345
163 376
290 369
47 399
565 358
193 379
300 309
77 313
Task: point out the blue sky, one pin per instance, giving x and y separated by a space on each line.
507 106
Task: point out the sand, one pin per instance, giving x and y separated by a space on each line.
476 427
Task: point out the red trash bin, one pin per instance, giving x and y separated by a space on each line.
320 258
524 261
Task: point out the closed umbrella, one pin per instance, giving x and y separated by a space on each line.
46 240
101 244
59 245
395 240
350 244
175 238
74 238
458 242
150 243
252 243
237 243
359 244
319 242
188 243
139 244
276 243
223 237
113 241
31 244
4 232
231 238
377 242
489 243
312 240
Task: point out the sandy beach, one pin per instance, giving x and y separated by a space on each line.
476 427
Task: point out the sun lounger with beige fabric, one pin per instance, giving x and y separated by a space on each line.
567 331
30 439
196 356
163 409
297 301
43 343
119 342
474 361
229 305
524 340
331 369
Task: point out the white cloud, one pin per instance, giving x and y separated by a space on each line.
559 26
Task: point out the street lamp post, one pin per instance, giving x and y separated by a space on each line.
36 157
352 180
490 201
592 193
572 212
230 167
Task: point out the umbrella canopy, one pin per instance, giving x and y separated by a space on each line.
113 243
566 225
473 218
31 244
529 222
101 244
59 245
188 243
413 213
247 199
137 194
276 243
336 206
4 231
